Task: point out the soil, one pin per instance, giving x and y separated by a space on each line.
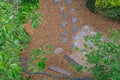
49 31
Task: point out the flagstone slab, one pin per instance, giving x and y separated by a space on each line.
70 60
60 70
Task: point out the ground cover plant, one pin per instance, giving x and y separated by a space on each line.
105 55
13 39
108 8
37 62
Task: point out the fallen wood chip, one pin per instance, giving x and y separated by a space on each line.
70 60
59 70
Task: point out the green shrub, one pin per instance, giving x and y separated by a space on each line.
105 55
109 8
112 13
91 5
107 3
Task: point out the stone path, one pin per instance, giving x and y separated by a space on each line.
64 24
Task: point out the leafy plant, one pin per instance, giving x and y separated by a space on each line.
49 48
38 58
41 64
13 39
91 5
105 56
108 8
79 68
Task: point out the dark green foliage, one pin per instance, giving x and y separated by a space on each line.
112 13
41 64
91 5
32 1
13 39
107 8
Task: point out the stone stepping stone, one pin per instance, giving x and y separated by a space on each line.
56 1
71 61
90 44
64 15
72 10
62 7
75 37
86 27
63 24
65 40
83 34
75 44
75 29
59 70
74 20
69 2
58 50
64 33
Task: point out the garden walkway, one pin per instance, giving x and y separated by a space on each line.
63 25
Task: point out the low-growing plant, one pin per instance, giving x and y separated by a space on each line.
38 56
13 39
105 55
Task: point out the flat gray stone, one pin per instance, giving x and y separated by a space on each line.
86 27
72 10
56 1
75 44
75 28
62 7
65 40
58 50
64 33
64 15
74 20
90 44
69 2
70 60
59 70
75 37
83 34
64 23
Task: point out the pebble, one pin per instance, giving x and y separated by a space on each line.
75 28
84 53
86 27
72 10
93 33
64 23
56 1
83 34
74 20
61 7
102 39
64 33
75 44
64 15
69 2
65 40
76 37
58 50
90 44
81 50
